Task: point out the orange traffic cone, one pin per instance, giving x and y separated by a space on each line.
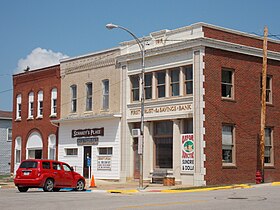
92 182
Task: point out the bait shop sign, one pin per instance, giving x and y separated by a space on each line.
187 157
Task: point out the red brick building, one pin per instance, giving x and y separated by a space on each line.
202 91
36 102
239 113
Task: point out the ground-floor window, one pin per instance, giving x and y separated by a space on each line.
268 154
163 141
71 151
35 154
228 144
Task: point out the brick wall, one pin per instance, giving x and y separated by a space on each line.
44 79
243 112
239 39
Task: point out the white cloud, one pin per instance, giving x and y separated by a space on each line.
39 58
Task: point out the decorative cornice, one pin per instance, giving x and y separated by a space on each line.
79 66
87 117
200 42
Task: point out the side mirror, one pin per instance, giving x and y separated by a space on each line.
72 169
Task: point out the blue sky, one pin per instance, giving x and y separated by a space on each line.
34 31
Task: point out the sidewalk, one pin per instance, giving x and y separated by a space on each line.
132 187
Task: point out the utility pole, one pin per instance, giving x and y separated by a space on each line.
263 108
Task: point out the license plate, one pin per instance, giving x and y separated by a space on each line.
26 173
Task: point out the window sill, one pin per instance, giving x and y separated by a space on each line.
228 99
18 120
269 167
269 104
30 118
39 117
229 166
53 116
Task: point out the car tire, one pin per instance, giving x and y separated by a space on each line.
80 185
49 185
22 189
56 189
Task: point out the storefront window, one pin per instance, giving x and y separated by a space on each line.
163 139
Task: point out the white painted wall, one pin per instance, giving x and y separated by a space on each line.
111 138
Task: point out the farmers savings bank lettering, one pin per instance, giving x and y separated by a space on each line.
174 108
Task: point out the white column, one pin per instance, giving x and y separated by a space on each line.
181 81
148 151
167 83
176 150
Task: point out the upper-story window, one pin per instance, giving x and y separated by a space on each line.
105 91
148 85
89 96
18 114
227 83
189 80
73 98
40 104
268 98
134 87
160 84
30 105
175 82
54 102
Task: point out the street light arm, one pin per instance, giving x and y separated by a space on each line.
112 26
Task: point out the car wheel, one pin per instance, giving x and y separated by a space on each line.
80 185
22 189
56 189
48 187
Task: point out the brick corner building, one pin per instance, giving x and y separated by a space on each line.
36 102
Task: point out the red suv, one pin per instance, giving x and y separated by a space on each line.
50 175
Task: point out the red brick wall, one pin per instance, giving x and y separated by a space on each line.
43 79
238 39
243 112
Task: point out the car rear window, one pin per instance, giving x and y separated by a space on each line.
28 164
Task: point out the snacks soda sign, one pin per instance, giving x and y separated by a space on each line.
187 158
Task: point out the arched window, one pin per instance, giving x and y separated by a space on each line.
54 102
30 105
18 150
40 104
18 114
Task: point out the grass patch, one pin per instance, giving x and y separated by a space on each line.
5 178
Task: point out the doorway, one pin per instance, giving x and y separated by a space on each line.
87 153
136 172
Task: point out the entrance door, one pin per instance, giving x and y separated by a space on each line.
136 159
87 153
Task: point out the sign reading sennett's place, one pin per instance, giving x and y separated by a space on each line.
88 132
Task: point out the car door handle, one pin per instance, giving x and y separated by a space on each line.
55 172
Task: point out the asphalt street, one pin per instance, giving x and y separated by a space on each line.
258 198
